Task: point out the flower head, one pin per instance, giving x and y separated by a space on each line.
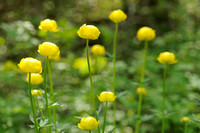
36 92
107 97
117 16
185 120
146 34
48 49
36 78
30 65
98 50
167 58
48 25
88 32
88 123
141 90
55 57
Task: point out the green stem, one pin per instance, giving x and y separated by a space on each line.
185 128
52 95
139 114
38 104
144 64
104 121
45 89
114 63
89 131
163 104
141 85
32 105
91 83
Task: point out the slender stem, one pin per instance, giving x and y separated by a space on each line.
144 64
32 105
52 95
185 128
91 83
141 85
114 63
38 104
89 131
104 121
164 95
139 114
45 89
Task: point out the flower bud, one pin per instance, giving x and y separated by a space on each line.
36 92
185 120
88 32
141 90
98 50
30 65
48 25
117 16
167 58
48 49
36 78
146 34
88 123
107 97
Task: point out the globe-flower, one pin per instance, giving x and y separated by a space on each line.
167 58
88 32
36 78
48 25
98 50
55 57
117 16
141 90
107 96
48 49
146 34
36 92
185 120
30 65
88 123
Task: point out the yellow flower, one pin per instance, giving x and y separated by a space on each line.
88 32
107 96
117 16
141 90
185 119
146 34
48 49
88 123
167 58
48 25
55 57
98 50
30 65
36 92
36 78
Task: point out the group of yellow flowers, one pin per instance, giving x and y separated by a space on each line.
51 51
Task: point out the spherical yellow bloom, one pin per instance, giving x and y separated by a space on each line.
88 123
107 97
185 119
36 78
117 16
167 58
48 25
146 34
48 49
141 90
98 50
30 65
36 92
88 32
55 57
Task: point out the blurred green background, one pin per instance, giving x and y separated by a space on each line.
177 25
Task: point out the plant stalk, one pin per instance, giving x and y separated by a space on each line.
164 95
104 121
